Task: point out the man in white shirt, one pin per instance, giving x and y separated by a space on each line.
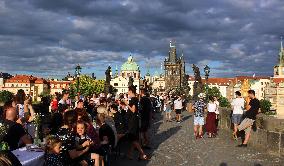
177 108
238 105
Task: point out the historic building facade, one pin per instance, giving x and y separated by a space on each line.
174 69
275 89
32 86
130 69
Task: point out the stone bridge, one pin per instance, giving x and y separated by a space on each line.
174 145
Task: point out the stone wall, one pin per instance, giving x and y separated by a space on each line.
268 133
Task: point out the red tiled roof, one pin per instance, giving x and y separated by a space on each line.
21 79
60 82
278 80
219 81
26 79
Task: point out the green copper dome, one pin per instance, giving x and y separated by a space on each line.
130 65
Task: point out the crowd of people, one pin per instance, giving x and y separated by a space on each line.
86 131
206 115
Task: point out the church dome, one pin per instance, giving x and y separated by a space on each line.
130 65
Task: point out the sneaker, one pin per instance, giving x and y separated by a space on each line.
178 121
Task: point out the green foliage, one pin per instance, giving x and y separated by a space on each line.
265 106
87 86
214 91
224 102
5 96
45 93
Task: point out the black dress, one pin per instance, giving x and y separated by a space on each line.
68 139
133 121
119 123
145 112
53 160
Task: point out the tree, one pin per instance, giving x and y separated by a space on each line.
87 86
5 96
45 93
224 102
214 91
265 105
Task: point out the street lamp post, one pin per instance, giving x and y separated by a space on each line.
77 74
206 71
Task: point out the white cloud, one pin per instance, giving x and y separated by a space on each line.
83 24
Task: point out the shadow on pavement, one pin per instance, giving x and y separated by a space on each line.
156 139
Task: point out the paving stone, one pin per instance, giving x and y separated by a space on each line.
174 145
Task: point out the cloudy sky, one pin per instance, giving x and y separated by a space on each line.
49 37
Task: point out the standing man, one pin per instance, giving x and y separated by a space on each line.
238 105
177 108
250 116
14 132
145 113
63 103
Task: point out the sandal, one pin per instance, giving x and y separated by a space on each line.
235 137
144 157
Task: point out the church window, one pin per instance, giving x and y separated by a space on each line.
115 84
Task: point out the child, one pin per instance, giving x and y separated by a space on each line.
83 141
52 150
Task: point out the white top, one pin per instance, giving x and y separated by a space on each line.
217 109
212 107
178 104
238 105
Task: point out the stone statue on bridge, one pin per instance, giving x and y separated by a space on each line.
197 86
108 79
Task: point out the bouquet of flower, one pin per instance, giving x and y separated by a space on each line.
3 132
37 121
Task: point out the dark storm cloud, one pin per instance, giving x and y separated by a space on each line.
234 36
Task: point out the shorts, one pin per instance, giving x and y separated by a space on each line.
237 118
168 111
178 111
198 121
246 125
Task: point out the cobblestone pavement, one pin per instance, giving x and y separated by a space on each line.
174 145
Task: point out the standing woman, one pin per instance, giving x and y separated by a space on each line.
24 107
199 108
66 134
211 118
133 124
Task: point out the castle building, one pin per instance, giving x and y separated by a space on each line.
174 69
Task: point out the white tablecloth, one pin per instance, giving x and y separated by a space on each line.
28 158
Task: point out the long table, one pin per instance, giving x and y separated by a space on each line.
29 158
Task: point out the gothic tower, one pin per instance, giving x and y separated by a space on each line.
174 69
279 68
